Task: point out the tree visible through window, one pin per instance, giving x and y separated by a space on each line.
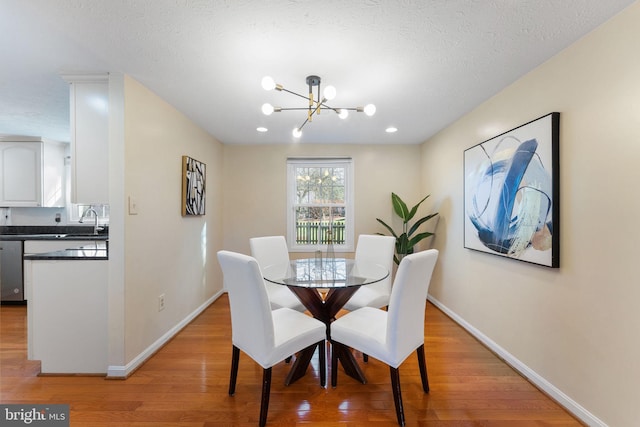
320 204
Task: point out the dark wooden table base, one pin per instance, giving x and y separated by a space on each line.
325 311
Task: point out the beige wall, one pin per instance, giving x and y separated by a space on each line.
576 327
165 253
256 184
572 330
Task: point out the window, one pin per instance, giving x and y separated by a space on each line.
320 204
76 211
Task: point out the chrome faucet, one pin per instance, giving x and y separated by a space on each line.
95 215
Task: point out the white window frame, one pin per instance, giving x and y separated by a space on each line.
328 162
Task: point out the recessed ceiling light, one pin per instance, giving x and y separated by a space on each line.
391 129
261 129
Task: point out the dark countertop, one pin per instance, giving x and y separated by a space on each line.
64 232
92 252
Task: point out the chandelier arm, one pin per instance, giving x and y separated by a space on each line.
307 119
303 97
324 107
294 93
303 123
336 109
315 110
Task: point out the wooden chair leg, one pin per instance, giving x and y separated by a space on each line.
423 368
235 357
397 394
334 367
322 356
266 390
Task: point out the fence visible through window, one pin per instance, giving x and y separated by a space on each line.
317 232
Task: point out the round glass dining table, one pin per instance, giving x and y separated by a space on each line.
324 285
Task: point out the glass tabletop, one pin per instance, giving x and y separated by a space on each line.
325 273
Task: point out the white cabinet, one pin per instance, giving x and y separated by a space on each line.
67 320
31 172
42 246
38 247
89 119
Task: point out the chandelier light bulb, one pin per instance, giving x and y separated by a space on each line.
297 133
329 92
369 109
268 83
267 109
343 113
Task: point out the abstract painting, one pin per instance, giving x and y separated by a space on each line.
194 174
511 193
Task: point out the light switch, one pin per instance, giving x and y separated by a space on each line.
133 206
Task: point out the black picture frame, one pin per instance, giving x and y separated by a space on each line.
194 176
512 193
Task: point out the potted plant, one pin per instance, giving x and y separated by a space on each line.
406 240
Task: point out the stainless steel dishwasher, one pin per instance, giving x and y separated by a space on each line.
11 271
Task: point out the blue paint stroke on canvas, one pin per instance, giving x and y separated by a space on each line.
511 203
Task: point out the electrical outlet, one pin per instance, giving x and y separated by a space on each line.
5 216
161 302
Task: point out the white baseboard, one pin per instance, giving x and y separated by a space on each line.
119 372
562 399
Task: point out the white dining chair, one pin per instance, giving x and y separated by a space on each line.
273 250
391 336
267 336
378 250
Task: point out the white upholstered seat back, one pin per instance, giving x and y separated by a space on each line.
405 321
269 250
251 319
378 250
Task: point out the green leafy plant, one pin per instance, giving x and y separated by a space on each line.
406 240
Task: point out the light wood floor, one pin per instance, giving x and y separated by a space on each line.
186 383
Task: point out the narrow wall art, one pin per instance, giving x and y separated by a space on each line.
511 193
194 174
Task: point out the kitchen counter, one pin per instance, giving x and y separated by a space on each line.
97 251
92 237
69 232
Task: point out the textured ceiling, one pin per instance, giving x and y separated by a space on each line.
423 63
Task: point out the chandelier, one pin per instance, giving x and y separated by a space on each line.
315 103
